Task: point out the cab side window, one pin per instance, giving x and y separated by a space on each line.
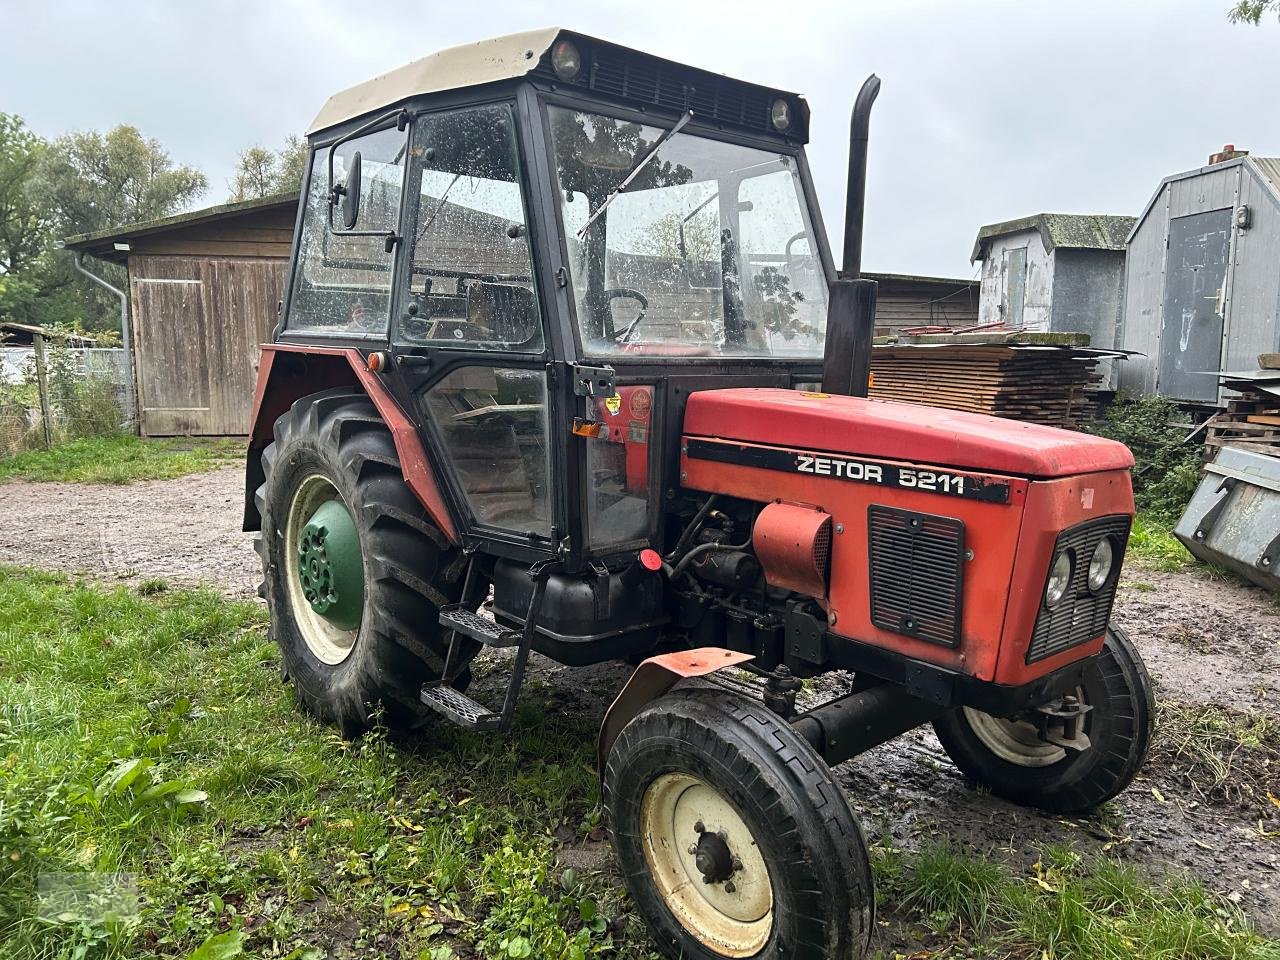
342 284
470 275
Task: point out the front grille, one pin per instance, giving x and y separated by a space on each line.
1081 615
617 72
917 573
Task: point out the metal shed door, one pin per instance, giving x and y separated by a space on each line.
1015 286
1194 305
170 330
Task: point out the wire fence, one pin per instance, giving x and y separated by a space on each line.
51 392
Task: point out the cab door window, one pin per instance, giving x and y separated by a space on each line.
342 283
470 275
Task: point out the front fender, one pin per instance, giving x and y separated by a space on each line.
652 679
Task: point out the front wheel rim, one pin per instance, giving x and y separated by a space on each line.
691 833
329 624
1016 741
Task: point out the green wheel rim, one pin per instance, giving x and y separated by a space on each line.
324 570
330 568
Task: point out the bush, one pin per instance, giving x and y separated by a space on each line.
1167 468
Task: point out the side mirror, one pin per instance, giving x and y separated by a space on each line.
346 195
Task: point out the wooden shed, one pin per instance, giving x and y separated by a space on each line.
906 300
203 290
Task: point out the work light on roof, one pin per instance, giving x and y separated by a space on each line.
565 60
780 114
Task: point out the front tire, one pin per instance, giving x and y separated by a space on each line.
354 571
733 837
1007 757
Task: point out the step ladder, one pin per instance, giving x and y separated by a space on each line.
463 623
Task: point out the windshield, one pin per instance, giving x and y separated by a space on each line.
707 252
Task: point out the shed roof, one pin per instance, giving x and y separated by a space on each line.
102 243
1267 170
1084 231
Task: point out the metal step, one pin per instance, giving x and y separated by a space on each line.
460 708
478 628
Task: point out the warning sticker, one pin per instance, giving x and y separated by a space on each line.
613 405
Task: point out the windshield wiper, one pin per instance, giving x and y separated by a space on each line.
635 172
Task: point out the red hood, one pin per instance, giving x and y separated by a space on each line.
886 430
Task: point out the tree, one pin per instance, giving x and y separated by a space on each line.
92 181
1252 11
24 226
261 172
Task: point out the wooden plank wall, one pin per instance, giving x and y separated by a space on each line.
906 303
262 233
211 393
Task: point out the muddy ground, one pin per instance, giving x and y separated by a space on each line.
1210 641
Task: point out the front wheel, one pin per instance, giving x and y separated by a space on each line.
733 837
1008 757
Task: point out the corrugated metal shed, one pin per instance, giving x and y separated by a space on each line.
1202 279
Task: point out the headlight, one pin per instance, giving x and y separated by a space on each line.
780 114
1100 564
1059 579
565 60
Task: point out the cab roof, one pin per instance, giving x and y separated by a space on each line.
608 69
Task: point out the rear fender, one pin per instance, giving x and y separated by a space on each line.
651 680
288 372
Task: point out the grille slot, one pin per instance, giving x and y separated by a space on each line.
1080 616
917 573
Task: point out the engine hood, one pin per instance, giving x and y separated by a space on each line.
887 430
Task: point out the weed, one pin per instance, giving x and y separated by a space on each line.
1167 468
1152 545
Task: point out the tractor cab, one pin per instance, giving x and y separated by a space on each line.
548 242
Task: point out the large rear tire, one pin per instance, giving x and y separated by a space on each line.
1008 758
733 837
354 571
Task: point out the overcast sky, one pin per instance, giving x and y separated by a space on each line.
988 111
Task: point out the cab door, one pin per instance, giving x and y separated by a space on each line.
467 341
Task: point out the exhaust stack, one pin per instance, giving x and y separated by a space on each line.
851 311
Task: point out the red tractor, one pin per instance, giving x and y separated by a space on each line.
564 365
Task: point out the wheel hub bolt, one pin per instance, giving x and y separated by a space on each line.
730 886
699 827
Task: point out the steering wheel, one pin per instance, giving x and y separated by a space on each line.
614 293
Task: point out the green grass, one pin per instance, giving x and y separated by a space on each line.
147 744
1152 545
122 459
1064 907
150 738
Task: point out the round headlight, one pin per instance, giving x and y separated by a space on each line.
1059 579
1100 564
565 60
780 114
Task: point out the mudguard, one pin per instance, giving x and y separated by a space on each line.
652 679
289 371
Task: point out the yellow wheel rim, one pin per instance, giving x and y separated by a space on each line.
733 915
328 643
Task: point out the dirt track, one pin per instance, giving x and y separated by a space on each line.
1208 641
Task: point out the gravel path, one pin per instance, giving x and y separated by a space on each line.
1208 640
185 531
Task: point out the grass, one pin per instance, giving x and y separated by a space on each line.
1064 907
122 458
147 743
1152 545
1218 753
149 750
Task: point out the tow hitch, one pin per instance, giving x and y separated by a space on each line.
1061 722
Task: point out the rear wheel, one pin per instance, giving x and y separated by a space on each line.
1008 757
733 836
354 571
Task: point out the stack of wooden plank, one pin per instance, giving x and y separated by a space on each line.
1252 420
1042 378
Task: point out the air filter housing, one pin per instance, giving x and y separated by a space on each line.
793 543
